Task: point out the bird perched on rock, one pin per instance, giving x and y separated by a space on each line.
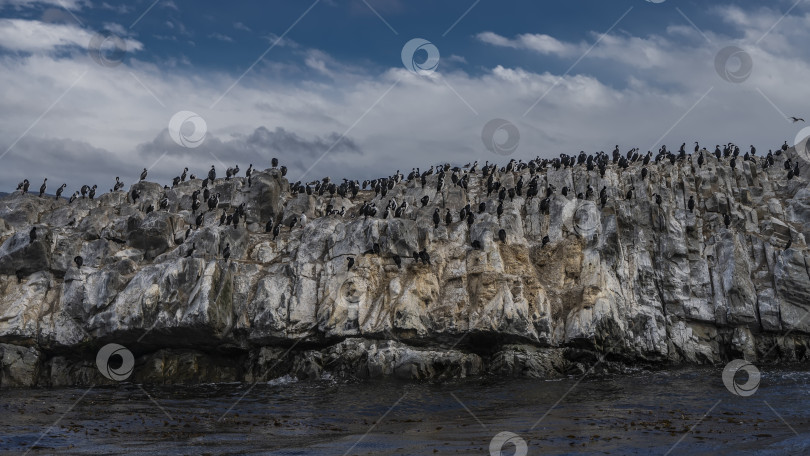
727 220
502 235
32 235
350 261
227 252
276 231
546 240
79 261
268 228
43 187
436 218
199 220
143 174
60 190
691 203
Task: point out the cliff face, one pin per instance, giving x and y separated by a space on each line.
640 282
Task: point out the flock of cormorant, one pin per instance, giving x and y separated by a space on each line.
459 176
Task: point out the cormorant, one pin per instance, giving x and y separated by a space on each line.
32 235
502 235
691 203
482 207
276 230
227 252
448 217
199 220
274 163
143 174
425 200
500 210
118 184
43 187
423 255
59 190
79 261
268 228
212 173
436 218
398 261
283 170
546 240
727 220
349 259
476 244
73 197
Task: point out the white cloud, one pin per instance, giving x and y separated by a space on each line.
35 36
17 4
630 90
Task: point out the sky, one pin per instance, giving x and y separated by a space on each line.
359 89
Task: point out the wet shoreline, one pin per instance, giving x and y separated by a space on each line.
645 413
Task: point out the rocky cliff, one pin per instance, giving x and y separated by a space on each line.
630 283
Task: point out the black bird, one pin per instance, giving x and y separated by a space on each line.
150 208
25 185
476 244
143 174
349 259
32 235
195 204
222 218
789 242
135 194
630 192
60 190
199 220
796 119
436 218
183 176
212 174
691 203
283 170
425 200
657 199
227 252
502 235
398 261
470 218
118 184
188 233
482 207
79 261
423 255
73 197
43 187
546 240
276 230
727 220
85 188
448 217
274 163
500 210
292 222
268 228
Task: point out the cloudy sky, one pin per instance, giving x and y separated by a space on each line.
89 88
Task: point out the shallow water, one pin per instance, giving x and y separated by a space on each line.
680 412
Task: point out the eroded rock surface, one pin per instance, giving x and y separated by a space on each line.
635 281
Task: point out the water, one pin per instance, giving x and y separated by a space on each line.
680 412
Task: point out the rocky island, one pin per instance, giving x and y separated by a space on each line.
546 268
